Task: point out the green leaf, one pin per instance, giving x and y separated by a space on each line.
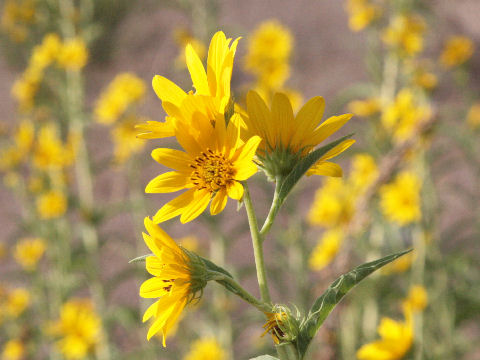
302 167
324 305
264 357
140 258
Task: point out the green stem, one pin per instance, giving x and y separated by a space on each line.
257 246
276 204
287 352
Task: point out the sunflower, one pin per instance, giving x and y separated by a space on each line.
212 166
179 276
213 85
287 138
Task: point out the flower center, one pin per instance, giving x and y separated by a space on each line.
212 171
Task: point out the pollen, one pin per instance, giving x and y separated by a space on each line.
212 171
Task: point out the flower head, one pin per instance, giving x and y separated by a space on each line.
52 204
212 85
212 166
206 349
179 277
417 299
29 251
13 350
457 50
361 13
73 54
405 34
287 138
400 200
326 249
17 301
78 328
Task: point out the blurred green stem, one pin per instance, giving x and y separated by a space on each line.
276 204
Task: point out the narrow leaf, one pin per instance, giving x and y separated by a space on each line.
324 305
140 258
303 165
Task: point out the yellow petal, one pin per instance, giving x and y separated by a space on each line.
196 206
160 238
247 151
168 182
197 71
328 127
172 158
217 51
325 169
155 130
153 288
282 118
235 190
151 311
173 318
338 149
308 118
174 207
218 202
259 117
168 91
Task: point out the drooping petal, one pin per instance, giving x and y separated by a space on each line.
235 190
174 207
326 169
196 206
218 202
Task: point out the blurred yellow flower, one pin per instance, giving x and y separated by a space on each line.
183 37
52 204
25 88
268 52
326 249
417 299
365 108
403 116
287 138
29 251
212 167
125 90
457 50
176 282
205 349
212 87
10 157
78 328
46 53
400 199
333 205
17 301
13 350
361 13
188 242
124 140
24 136
396 340
73 54
405 34
473 117
364 171
16 17
402 264
50 152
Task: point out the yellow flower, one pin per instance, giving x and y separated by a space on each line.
13 350
24 137
457 50
29 251
178 276
125 90
46 53
326 249
214 163
73 54
17 300
25 88
365 108
417 299
405 33
396 340
268 52
78 328
361 13
52 204
333 204
287 138
206 349
124 140
404 115
50 152
364 171
473 117
400 200
211 86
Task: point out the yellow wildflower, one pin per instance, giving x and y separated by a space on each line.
473 117
211 87
124 140
457 50
206 349
214 163
364 171
50 152
52 204
417 299
183 37
25 88
125 90
46 53
400 200
365 108
396 340
24 136
326 249
13 350
268 53
404 115
405 33
333 204
178 277
29 251
73 54
17 301
361 13
287 138
78 328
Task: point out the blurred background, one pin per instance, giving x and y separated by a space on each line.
75 79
